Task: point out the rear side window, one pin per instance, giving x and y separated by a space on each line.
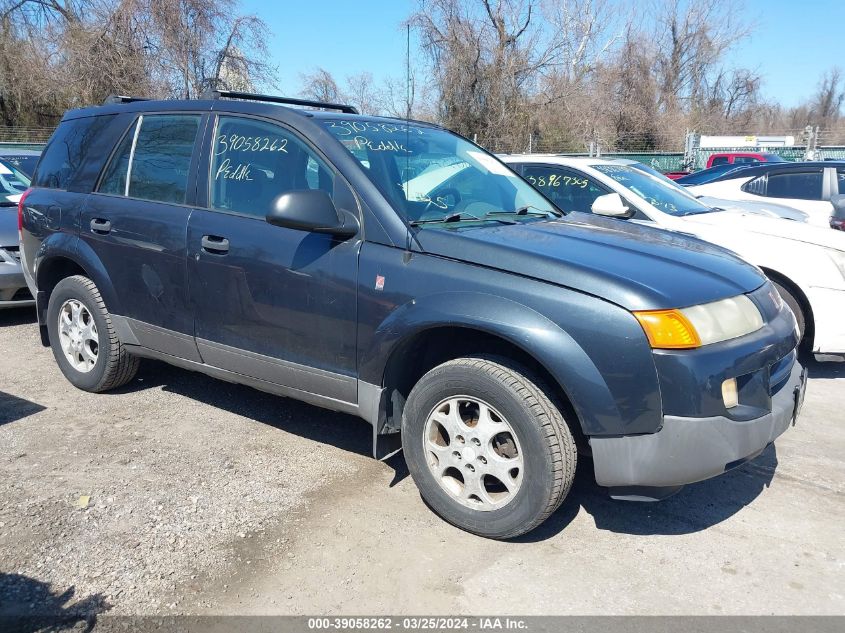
719 160
255 161
65 153
799 185
152 160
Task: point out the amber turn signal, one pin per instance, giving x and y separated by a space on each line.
668 329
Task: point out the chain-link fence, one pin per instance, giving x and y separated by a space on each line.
669 152
25 134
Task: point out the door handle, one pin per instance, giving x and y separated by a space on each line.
215 244
99 225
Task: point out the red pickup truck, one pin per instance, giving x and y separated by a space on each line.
742 158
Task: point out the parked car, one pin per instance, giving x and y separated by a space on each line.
806 186
13 289
837 220
13 182
295 251
757 207
805 263
710 174
24 160
743 158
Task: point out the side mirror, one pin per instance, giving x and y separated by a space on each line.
611 205
311 210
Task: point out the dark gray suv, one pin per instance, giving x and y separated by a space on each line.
394 270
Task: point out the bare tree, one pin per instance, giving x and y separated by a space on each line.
320 85
826 105
361 93
57 54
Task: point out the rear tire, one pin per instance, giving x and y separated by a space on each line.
487 448
83 339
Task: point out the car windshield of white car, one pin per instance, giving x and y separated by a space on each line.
431 175
663 196
12 180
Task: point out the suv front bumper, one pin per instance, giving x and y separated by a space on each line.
686 450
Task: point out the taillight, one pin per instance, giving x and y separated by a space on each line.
20 211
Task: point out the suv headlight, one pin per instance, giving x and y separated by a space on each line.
704 324
838 258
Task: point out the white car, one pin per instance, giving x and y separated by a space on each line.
807 186
805 262
758 207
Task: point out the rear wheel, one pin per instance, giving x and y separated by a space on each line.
487 448
83 339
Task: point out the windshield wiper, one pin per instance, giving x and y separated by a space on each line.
459 217
526 210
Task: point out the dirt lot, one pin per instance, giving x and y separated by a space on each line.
204 497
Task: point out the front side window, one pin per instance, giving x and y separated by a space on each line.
802 185
152 159
719 160
569 190
254 162
430 174
665 197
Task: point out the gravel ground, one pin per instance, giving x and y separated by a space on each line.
210 498
126 496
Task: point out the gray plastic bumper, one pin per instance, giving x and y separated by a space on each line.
11 281
686 450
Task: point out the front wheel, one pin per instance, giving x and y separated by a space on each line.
794 305
487 448
83 339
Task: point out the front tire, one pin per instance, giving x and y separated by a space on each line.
83 339
488 449
794 305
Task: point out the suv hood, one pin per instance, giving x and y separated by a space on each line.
634 266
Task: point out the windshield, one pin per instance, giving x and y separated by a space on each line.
12 181
429 174
666 197
24 164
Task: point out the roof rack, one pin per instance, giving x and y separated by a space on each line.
248 96
122 99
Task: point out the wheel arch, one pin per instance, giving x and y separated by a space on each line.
801 298
61 260
434 329
437 344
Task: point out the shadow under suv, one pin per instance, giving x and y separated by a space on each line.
396 271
